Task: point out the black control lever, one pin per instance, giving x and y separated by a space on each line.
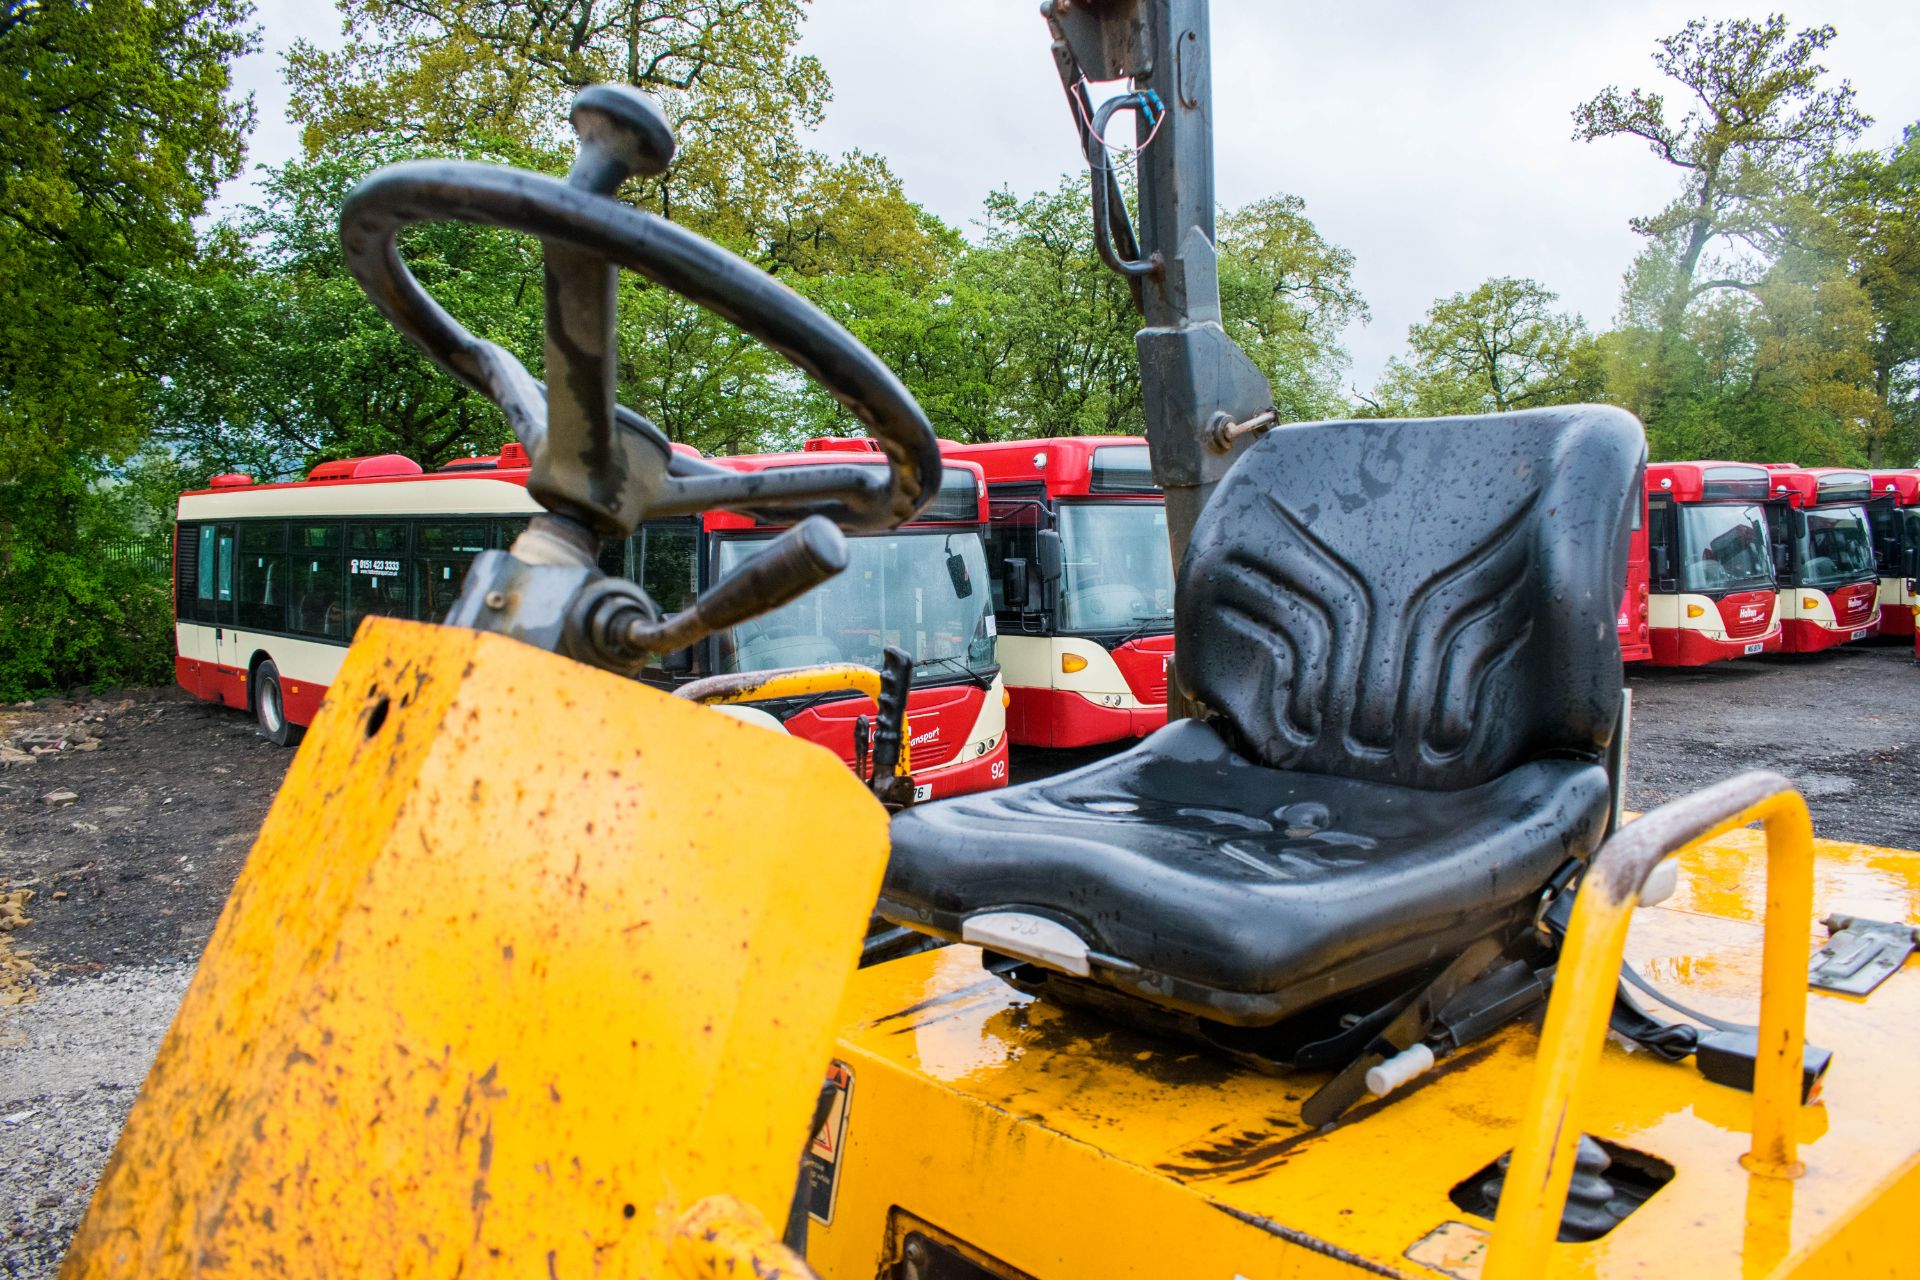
620 625
890 733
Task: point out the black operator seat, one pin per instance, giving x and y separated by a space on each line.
1403 637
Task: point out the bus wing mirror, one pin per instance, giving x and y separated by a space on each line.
1662 564
1048 551
957 573
1013 582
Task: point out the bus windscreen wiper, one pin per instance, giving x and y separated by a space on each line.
973 676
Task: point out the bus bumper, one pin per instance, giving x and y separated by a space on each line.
1679 647
1802 636
1896 619
963 777
1062 718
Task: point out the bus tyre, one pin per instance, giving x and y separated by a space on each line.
270 707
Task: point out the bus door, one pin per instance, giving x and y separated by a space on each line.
213 608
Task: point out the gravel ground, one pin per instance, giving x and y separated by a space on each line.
128 876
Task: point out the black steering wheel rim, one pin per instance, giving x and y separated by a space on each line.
853 495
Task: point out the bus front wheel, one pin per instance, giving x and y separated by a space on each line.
270 707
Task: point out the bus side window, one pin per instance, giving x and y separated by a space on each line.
318 583
214 600
1013 535
442 553
1662 555
1885 523
205 602
1782 534
260 587
376 571
506 529
669 569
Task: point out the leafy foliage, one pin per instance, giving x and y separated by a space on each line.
1498 348
114 128
1763 318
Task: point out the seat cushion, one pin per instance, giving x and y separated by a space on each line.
1205 883
1426 603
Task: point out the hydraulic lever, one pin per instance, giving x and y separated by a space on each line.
1199 391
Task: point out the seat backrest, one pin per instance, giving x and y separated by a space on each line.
1428 603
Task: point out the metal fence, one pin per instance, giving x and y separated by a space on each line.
152 554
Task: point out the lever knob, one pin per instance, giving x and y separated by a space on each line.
623 134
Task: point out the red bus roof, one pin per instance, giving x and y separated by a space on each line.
1069 466
964 483
1709 481
1819 486
1903 484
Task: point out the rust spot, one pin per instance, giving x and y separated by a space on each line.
296 1056
486 1082
506 952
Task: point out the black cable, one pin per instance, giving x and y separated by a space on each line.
1705 1019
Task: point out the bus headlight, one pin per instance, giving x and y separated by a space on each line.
1695 611
1071 662
1809 602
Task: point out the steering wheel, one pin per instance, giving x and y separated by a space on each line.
594 461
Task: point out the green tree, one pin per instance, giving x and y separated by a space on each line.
1500 347
1872 204
1026 333
274 359
449 75
115 127
1757 120
1286 295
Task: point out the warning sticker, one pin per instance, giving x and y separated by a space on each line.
1453 1249
823 1153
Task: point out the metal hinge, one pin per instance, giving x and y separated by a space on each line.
1860 954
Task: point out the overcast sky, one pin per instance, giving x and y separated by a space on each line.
1431 140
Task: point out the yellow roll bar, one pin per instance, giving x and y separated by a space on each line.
786 682
796 682
1528 1219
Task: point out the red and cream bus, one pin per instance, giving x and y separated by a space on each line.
1082 582
1711 563
1894 515
1823 547
272 580
1636 640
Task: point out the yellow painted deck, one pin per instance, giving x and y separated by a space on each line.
1064 1146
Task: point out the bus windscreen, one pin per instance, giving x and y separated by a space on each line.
1724 548
925 591
1117 573
1835 547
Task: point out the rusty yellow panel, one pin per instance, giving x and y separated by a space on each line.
1064 1145
527 961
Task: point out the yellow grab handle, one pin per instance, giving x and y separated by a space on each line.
1528 1219
797 682
786 682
